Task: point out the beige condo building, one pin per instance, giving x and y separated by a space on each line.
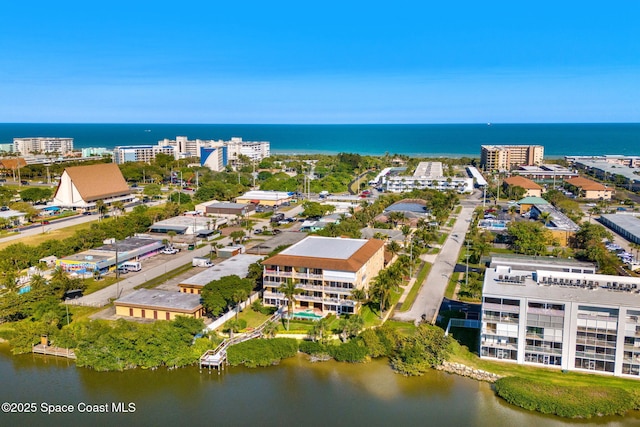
507 157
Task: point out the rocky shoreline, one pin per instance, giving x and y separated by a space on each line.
466 371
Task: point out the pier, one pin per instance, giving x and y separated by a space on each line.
217 358
49 350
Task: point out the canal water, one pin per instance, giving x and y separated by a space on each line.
294 393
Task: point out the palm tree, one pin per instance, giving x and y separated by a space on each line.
270 329
320 330
238 296
37 282
359 295
351 326
118 207
101 208
171 235
393 247
545 217
513 210
290 290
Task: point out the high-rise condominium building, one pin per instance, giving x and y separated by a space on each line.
36 145
507 157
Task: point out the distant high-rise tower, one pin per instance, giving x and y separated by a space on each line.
507 157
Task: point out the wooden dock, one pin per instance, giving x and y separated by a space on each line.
49 350
218 358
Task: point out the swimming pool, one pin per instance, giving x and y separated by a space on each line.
308 315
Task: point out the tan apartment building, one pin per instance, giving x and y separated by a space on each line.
531 188
507 157
587 189
326 270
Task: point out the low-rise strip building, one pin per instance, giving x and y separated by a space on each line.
159 305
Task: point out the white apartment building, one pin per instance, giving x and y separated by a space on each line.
141 153
428 175
35 145
254 150
507 157
219 153
559 313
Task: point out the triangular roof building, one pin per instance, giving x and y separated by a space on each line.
82 186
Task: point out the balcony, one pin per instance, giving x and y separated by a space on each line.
596 356
345 291
277 273
500 307
596 343
276 295
308 287
500 345
546 350
303 275
309 298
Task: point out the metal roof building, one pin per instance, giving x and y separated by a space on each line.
628 226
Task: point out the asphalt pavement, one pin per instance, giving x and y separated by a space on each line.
430 296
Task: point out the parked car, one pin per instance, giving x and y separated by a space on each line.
87 213
257 231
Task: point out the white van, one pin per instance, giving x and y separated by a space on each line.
132 265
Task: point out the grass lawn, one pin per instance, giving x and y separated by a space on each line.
59 234
451 287
441 238
404 328
461 354
79 312
253 318
413 293
458 209
370 317
93 285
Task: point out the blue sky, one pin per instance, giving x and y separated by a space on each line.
320 62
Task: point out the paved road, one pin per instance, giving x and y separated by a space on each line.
431 294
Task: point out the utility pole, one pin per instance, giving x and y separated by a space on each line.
466 276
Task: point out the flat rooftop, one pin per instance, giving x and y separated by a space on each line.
238 265
130 244
532 287
428 170
532 263
161 299
629 223
184 222
325 247
612 168
90 255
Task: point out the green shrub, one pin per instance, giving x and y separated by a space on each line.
312 347
351 351
380 342
568 402
427 348
261 352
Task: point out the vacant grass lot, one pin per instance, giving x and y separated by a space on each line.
58 234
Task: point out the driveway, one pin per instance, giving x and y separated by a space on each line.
431 294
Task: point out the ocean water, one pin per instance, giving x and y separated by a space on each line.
434 140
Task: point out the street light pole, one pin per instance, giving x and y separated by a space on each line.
466 277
